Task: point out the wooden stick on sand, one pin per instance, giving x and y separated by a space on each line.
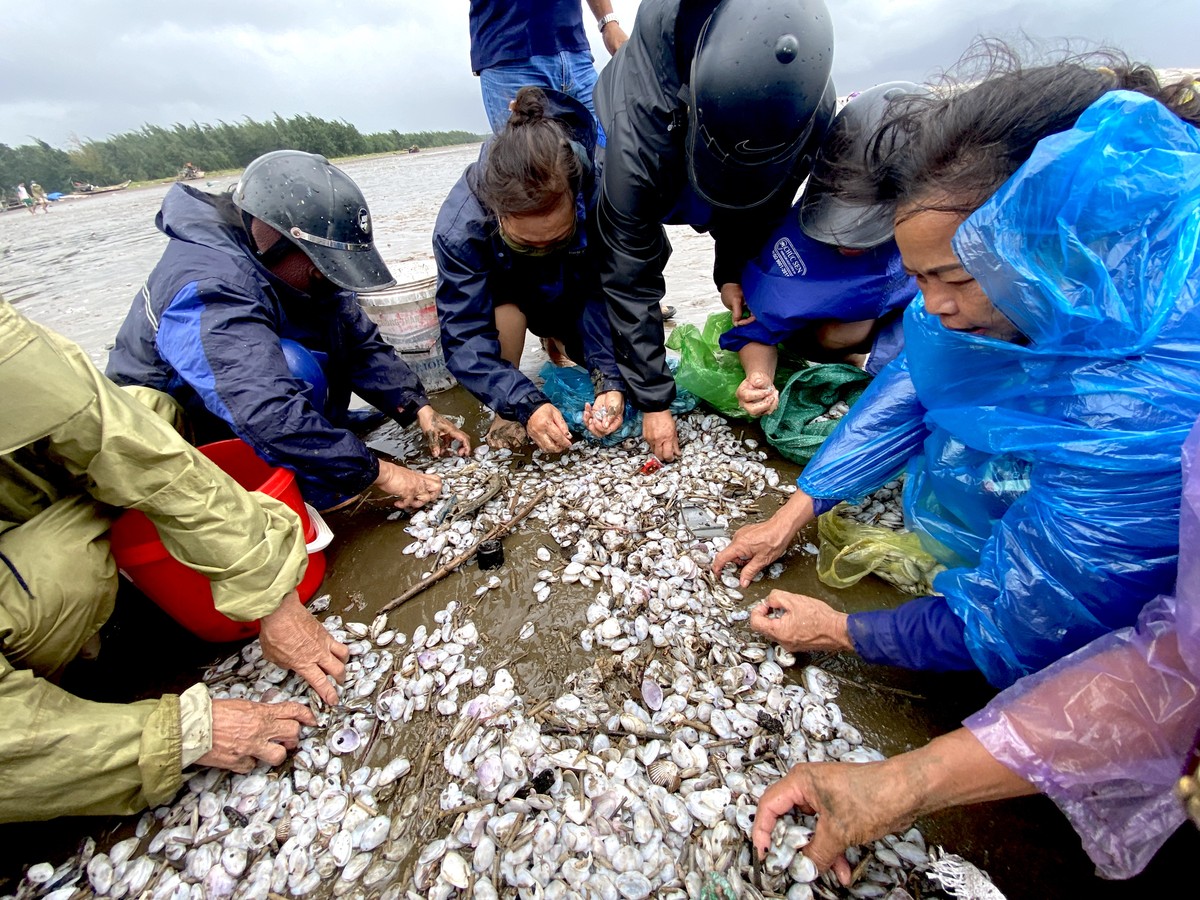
502 528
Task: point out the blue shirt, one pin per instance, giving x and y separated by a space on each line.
506 30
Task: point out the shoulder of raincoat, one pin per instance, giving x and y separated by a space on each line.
206 325
559 293
60 754
1049 478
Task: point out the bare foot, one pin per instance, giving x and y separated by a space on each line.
505 434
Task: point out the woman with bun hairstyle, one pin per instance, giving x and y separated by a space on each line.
514 249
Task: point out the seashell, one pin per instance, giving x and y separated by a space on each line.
345 740
100 873
652 694
374 832
455 871
39 873
396 768
664 772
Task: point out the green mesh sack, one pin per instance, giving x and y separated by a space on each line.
850 550
707 371
798 426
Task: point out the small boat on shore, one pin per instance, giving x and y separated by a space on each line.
87 190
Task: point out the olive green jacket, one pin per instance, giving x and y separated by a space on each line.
65 429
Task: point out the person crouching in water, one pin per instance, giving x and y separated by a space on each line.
250 320
512 249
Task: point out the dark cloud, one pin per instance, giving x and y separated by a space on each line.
87 69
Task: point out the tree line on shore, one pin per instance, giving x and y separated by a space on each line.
155 152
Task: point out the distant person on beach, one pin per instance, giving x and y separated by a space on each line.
250 320
75 450
23 196
712 112
536 42
828 285
39 197
514 244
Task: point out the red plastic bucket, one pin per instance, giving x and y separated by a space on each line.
184 594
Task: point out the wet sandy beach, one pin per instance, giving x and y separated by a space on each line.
76 270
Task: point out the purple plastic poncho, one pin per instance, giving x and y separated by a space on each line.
1104 732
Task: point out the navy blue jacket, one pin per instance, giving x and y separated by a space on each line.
205 328
518 29
559 293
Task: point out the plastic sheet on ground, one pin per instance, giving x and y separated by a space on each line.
569 388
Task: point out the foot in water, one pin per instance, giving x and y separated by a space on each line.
505 434
556 351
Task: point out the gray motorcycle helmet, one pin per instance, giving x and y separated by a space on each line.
829 218
760 99
320 209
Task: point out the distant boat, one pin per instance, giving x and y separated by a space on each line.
82 189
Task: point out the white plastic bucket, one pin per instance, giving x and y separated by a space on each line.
406 316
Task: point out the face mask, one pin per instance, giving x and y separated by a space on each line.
526 250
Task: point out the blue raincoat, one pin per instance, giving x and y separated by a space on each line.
1046 475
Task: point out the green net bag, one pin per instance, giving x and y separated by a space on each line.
801 422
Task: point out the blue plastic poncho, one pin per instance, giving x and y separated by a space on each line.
1047 475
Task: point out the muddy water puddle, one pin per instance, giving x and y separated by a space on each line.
76 270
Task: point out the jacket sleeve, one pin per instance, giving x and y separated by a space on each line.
883 430
248 545
469 336
920 634
598 347
66 756
378 375
635 252
222 343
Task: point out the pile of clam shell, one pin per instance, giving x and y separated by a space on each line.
834 412
639 778
884 508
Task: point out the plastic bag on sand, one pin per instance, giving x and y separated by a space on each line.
851 550
707 371
798 426
569 388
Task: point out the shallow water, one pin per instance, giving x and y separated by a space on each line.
76 270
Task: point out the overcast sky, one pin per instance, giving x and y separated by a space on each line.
77 69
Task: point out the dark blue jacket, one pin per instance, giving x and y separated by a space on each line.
206 326
559 293
518 29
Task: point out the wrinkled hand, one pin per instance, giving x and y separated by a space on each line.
854 803
757 395
412 490
292 638
245 732
548 429
506 434
806 623
754 547
658 428
735 301
440 432
605 414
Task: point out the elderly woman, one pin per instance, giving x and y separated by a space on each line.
511 243
1048 380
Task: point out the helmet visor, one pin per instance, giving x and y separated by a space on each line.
352 267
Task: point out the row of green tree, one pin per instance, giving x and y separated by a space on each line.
155 152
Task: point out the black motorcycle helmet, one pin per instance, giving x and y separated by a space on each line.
760 98
318 208
829 218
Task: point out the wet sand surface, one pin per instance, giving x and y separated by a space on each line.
76 270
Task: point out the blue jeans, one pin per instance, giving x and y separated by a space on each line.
571 73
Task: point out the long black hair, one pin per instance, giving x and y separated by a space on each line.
957 146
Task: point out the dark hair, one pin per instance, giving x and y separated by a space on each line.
958 146
530 165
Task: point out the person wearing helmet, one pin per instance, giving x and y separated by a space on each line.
267 275
512 248
712 111
829 284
